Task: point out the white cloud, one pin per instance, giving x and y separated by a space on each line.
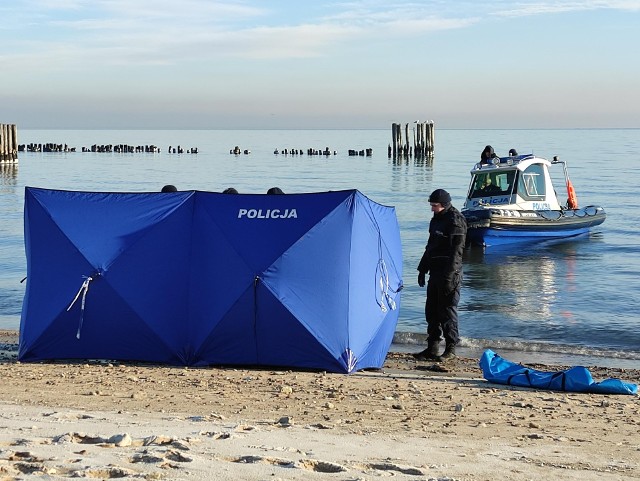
523 9
168 31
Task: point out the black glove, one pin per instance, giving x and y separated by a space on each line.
421 279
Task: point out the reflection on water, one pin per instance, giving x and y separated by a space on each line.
8 174
544 294
508 282
418 162
529 288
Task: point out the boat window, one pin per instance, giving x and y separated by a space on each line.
486 184
531 185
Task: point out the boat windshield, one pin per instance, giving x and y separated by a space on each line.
486 184
531 185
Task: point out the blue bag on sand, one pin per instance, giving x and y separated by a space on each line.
576 379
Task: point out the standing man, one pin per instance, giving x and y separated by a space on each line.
442 260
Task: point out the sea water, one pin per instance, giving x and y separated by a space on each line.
573 301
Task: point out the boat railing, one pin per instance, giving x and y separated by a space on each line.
503 161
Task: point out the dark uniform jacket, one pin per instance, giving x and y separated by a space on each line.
442 257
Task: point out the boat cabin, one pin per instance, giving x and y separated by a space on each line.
521 182
512 199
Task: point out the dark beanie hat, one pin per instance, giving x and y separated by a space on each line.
440 196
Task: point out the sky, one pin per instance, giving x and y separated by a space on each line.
315 64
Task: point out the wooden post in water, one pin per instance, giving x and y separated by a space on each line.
394 140
401 147
423 140
8 144
418 146
406 136
398 144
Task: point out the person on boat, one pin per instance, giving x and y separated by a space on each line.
442 260
275 191
513 153
169 188
489 187
487 154
230 190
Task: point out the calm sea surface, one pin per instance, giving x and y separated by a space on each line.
574 301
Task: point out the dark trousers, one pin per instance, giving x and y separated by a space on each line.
441 312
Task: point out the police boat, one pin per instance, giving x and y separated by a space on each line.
512 199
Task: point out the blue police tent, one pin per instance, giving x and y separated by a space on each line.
201 278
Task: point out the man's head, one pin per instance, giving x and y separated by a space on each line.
439 200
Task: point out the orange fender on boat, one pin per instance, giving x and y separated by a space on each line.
572 201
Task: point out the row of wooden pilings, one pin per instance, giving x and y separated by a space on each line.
423 140
8 144
108 148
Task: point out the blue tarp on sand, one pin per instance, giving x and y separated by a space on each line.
201 278
576 379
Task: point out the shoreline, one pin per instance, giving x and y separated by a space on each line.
409 420
473 348
603 366
543 357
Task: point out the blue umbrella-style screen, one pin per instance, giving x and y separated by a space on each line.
201 278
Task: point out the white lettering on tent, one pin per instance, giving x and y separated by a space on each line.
268 214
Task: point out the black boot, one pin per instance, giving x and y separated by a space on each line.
429 354
449 352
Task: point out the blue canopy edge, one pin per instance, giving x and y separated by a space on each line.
576 379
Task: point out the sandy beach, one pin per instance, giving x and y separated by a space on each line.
408 421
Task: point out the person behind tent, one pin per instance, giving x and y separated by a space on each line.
169 188
442 260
